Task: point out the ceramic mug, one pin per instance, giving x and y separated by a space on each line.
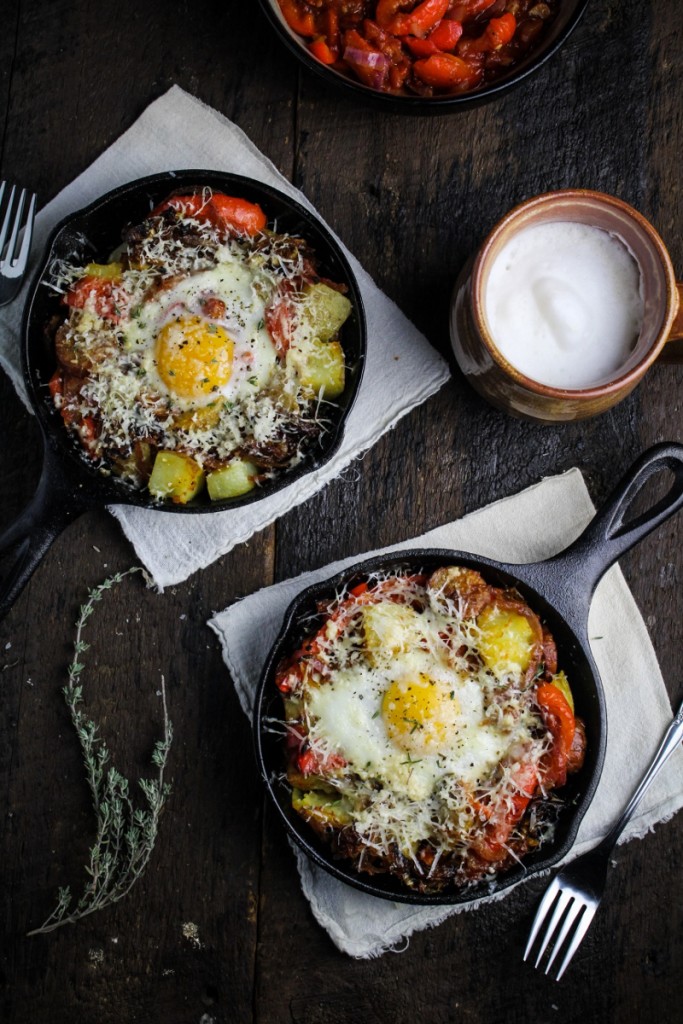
506 387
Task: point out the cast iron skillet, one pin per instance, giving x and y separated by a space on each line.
560 591
69 485
567 19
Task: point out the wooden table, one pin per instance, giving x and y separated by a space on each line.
411 196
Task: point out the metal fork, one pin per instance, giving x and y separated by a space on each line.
575 894
13 262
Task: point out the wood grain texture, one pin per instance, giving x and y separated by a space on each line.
411 196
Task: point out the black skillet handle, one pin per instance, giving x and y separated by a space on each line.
576 571
54 505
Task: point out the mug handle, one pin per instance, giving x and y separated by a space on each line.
673 349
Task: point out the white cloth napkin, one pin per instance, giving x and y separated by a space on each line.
532 525
402 370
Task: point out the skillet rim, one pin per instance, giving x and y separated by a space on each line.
105 489
297 829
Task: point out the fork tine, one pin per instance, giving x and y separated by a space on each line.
6 222
573 911
15 227
22 258
544 907
560 907
581 930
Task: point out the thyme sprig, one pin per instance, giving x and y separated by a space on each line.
125 835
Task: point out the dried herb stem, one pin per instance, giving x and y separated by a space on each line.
125 835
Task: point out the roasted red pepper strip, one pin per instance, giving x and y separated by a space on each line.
421 20
322 52
560 721
248 218
446 35
299 20
189 206
444 38
497 33
388 9
226 212
446 71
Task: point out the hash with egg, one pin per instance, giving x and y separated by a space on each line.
428 727
204 352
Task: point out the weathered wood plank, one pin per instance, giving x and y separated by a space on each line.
412 197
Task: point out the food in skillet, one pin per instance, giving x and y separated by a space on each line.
428 48
428 728
205 351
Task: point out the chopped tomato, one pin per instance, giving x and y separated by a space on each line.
280 318
56 384
214 308
97 290
502 820
310 762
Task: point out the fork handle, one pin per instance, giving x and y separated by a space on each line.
672 737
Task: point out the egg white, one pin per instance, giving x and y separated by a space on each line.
347 715
242 291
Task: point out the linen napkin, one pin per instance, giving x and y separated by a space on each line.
402 370
638 708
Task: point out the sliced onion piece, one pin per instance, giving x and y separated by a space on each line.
372 65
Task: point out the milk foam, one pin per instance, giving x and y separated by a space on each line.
564 304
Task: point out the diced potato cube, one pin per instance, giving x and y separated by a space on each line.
507 639
107 271
562 684
321 809
175 476
238 477
321 368
202 418
324 310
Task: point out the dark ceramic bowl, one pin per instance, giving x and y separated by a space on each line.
560 591
566 21
69 485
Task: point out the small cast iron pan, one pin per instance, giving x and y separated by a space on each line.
69 485
559 590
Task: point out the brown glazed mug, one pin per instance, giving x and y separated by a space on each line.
492 375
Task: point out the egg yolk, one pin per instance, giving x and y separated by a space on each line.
194 357
420 715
